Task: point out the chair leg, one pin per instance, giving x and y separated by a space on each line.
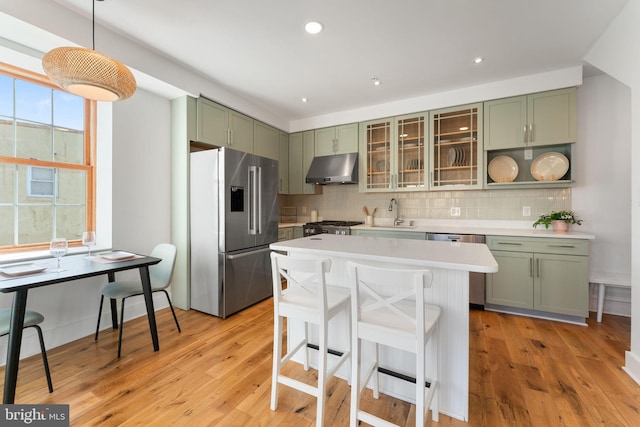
43 350
172 311
420 387
277 359
121 327
322 373
114 314
99 316
355 379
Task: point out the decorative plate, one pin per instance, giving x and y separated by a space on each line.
549 166
503 169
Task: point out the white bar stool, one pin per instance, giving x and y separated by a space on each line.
309 299
602 279
387 308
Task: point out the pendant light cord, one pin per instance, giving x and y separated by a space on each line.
93 22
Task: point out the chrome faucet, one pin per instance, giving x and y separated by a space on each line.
393 207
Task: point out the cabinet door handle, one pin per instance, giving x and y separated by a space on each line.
524 134
230 136
530 267
538 267
530 132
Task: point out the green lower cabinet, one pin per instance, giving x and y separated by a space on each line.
512 285
556 282
561 284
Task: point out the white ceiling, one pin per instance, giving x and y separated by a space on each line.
259 50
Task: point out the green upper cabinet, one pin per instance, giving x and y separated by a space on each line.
301 153
336 140
455 148
240 132
546 118
283 164
212 123
393 154
266 140
222 127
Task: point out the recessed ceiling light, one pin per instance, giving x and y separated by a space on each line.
313 27
478 60
464 128
304 99
376 81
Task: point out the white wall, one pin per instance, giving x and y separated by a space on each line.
615 54
602 194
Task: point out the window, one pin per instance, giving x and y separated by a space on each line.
47 162
41 182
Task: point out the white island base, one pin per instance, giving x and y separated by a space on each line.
450 264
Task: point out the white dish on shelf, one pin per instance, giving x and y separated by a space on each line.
451 156
117 255
549 166
503 169
23 268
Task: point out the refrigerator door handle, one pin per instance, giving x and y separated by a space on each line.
254 199
242 255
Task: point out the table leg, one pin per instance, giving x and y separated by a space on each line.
148 299
13 348
114 307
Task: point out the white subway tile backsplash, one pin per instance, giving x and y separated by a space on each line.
345 202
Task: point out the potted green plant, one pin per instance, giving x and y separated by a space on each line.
559 220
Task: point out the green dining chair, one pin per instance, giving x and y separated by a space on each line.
160 275
31 320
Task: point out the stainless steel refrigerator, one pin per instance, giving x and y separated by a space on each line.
233 219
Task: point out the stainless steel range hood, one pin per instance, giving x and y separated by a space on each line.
334 169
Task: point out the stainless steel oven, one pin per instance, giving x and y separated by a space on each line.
329 227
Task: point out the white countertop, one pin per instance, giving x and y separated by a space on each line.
290 224
446 255
487 228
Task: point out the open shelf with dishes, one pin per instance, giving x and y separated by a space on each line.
532 167
456 147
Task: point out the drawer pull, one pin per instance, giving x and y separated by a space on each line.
562 246
509 243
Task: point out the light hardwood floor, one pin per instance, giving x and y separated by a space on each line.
524 372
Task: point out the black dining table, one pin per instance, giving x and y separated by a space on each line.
75 267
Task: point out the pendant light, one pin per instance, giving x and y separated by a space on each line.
88 73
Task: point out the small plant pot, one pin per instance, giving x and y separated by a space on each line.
560 226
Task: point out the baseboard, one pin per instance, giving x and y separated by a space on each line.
632 366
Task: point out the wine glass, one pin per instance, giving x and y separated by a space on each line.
89 240
58 248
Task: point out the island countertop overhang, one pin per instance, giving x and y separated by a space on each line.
421 253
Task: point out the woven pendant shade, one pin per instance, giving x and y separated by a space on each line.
89 74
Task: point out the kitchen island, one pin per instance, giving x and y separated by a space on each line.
450 263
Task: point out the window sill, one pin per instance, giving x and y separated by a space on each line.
34 255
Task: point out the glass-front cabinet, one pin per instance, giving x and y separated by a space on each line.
393 155
455 149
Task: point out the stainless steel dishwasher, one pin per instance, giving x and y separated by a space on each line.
476 280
